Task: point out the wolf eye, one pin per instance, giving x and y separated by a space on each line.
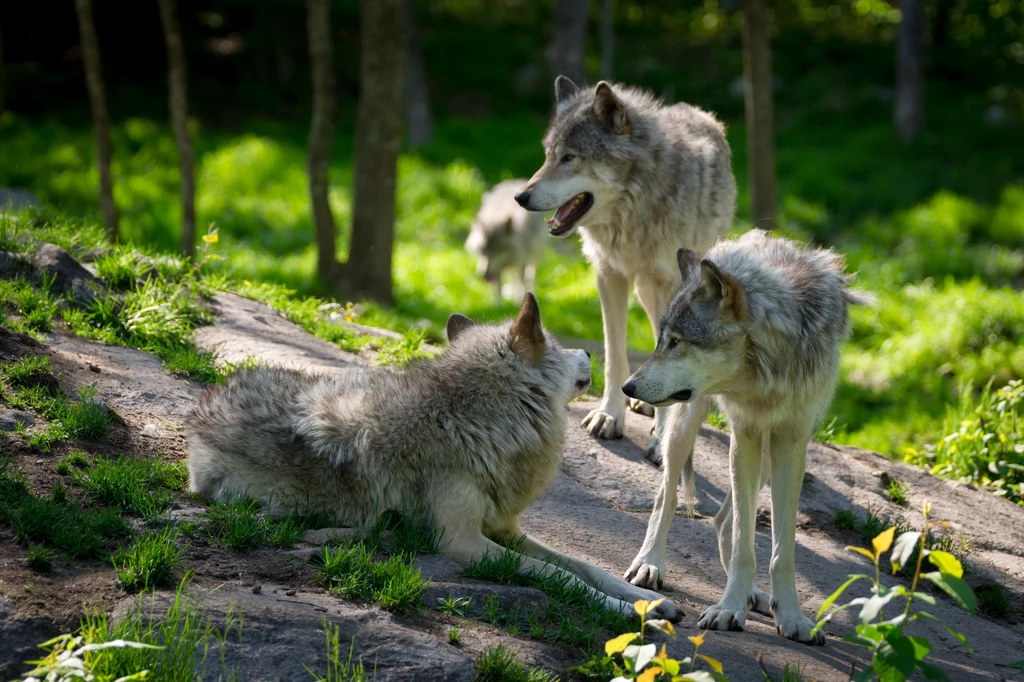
568 157
673 342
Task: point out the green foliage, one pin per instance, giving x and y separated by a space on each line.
351 571
338 669
72 461
407 534
403 351
845 519
68 660
898 492
896 656
455 636
501 664
454 606
985 445
142 487
148 562
993 600
629 657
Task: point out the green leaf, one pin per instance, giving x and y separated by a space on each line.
894 659
925 597
860 641
922 647
861 550
835 595
955 588
866 675
873 606
927 616
947 563
614 646
883 541
932 672
1017 665
903 548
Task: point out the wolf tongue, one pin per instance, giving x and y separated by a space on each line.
565 210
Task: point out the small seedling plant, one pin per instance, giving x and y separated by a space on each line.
895 656
643 662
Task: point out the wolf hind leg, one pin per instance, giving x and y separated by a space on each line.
654 297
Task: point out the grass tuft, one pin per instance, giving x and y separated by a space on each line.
501 664
148 562
993 600
351 571
39 558
339 669
142 487
845 519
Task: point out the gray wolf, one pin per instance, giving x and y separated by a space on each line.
638 179
757 324
463 441
506 238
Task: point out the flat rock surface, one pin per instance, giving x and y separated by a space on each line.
596 509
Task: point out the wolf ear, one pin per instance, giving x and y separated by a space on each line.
527 332
609 110
687 261
720 287
565 90
456 325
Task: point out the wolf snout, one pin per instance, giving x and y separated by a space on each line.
629 388
523 198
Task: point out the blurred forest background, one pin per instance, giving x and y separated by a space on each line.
898 135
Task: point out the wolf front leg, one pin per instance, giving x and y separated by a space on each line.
745 468
788 460
608 420
655 295
684 420
598 578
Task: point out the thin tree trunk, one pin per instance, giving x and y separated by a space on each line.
757 72
100 115
608 39
321 136
909 104
179 122
417 94
378 138
567 51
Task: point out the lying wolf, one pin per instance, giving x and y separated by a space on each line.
639 179
465 441
506 239
757 324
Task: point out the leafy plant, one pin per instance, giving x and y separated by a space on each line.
633 659
898 492
454 606
68 660
455 636
896 656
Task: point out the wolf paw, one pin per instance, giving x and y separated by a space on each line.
640 407
646 572
667 610
718 617
653 452
796 626
759 602
603 425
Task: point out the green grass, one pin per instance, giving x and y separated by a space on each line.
454 606
351 571
339 669
404 351
72 461
148 562
845 519
39 558
573 617
141 487
898 492
993 600
241 525
181 630
501 664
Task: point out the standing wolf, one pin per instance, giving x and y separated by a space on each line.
758 324
506 238
465 441
639 179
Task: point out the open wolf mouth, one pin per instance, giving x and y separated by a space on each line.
569 213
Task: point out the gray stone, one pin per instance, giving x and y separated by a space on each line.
10 419
69 277
331 536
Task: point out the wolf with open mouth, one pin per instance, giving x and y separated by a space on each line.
638 179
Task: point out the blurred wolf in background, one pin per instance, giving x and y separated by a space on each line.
639 179
506 238
463 442
758 323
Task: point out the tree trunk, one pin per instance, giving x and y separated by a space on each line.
567 51
757 72
100 115
909 109
378 138
607 39
179 122
321 136
417 96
